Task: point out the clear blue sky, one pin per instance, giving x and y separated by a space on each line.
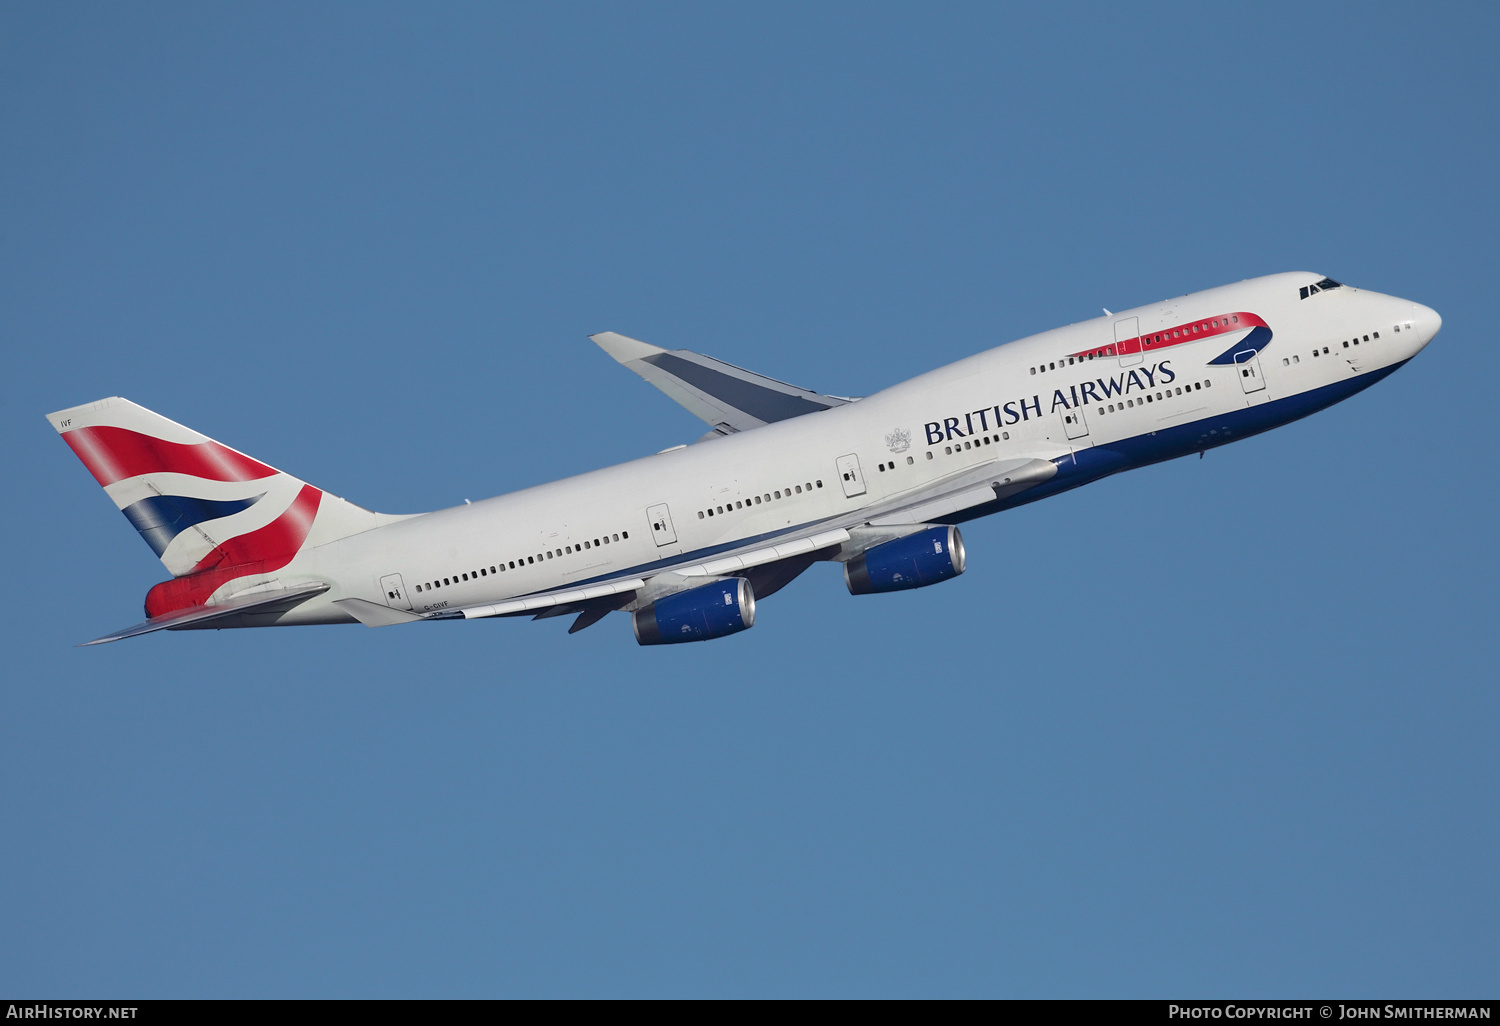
1220 727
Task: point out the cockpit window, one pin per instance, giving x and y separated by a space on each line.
1322 286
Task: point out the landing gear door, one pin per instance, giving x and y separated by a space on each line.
395 592
850 477
1128 341
661 524
1247 364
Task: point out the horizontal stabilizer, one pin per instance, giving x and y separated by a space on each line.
725 397
203 616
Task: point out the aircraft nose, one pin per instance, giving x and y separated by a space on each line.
1426 320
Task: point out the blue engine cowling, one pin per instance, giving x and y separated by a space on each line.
712 611
915 561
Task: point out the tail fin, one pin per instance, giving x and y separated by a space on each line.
204 508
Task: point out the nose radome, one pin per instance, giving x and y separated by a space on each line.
1426 320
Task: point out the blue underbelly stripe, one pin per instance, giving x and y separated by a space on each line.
1099 461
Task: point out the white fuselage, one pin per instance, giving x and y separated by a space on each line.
1015 400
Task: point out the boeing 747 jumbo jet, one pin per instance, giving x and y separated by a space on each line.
686 540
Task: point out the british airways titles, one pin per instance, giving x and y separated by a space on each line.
1096 391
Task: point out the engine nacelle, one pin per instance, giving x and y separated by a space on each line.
712 611
915 561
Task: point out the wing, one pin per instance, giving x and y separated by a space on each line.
543 603
976 486
725 397
772 562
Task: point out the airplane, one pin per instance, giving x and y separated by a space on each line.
687 540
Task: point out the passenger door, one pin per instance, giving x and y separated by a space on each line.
1074 422
1247 364
850 477
661 524
395 592
1128 341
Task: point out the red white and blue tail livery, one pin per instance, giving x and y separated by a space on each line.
686 540
224 524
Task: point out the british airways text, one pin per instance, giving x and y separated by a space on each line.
1096 391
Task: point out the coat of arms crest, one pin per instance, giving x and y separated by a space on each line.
898 440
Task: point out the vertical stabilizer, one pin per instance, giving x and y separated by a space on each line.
209 512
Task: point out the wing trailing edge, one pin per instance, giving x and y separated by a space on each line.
997 479
781 560
776 562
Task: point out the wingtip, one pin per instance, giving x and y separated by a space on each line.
624 348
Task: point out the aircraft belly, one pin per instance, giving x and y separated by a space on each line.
1208 432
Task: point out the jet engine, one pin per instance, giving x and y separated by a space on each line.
712 611
915 561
